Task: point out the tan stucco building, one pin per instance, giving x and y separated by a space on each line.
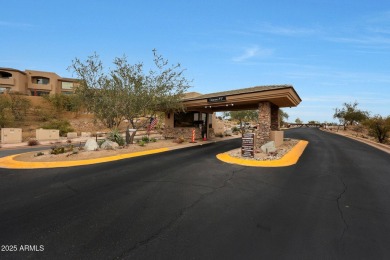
34 83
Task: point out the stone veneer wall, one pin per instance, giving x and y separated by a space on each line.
186 132
268 120
263 131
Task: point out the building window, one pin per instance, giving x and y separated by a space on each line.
67 85
184 119
189 119
40 80
5 75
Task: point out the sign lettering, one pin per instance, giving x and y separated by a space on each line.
216 99
248 145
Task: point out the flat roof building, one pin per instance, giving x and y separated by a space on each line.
34 83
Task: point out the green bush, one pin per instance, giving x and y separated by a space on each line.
115 136
141 143
100 142
145 139
62 125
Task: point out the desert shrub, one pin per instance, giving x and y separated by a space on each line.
100 142
115 136
32 142
235 129
38 154
218 134
62 102
72 153
141 143
179 140
62 125
153 140
6 117
145 139
57 150
19 105
61 149
379 127
43 115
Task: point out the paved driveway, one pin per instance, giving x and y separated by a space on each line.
333 204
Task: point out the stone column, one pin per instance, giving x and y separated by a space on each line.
264 129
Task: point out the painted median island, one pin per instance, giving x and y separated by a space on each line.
286 154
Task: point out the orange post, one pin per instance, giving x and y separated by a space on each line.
193 136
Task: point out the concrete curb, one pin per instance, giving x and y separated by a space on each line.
288 159
9 162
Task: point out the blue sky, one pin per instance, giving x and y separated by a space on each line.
331 51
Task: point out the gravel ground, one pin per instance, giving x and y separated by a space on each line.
260 156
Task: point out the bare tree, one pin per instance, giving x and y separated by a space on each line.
242 117
127 92
350 114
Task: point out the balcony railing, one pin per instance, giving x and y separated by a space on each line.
40 86
7 81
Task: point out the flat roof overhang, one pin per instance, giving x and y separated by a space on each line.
243 99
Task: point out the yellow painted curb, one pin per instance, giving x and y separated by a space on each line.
288 159
9 162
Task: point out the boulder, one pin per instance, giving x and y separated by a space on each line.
109 145
91 145
228 132
268 147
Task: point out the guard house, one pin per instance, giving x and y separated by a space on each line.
200 108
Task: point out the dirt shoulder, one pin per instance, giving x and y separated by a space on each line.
362 138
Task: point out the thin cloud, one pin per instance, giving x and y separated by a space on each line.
253 52
374 40
12 24
286 31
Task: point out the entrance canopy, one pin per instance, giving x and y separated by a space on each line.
242 99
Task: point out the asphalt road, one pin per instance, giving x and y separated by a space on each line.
185 204
10 151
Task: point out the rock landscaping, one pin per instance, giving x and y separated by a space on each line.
276 153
